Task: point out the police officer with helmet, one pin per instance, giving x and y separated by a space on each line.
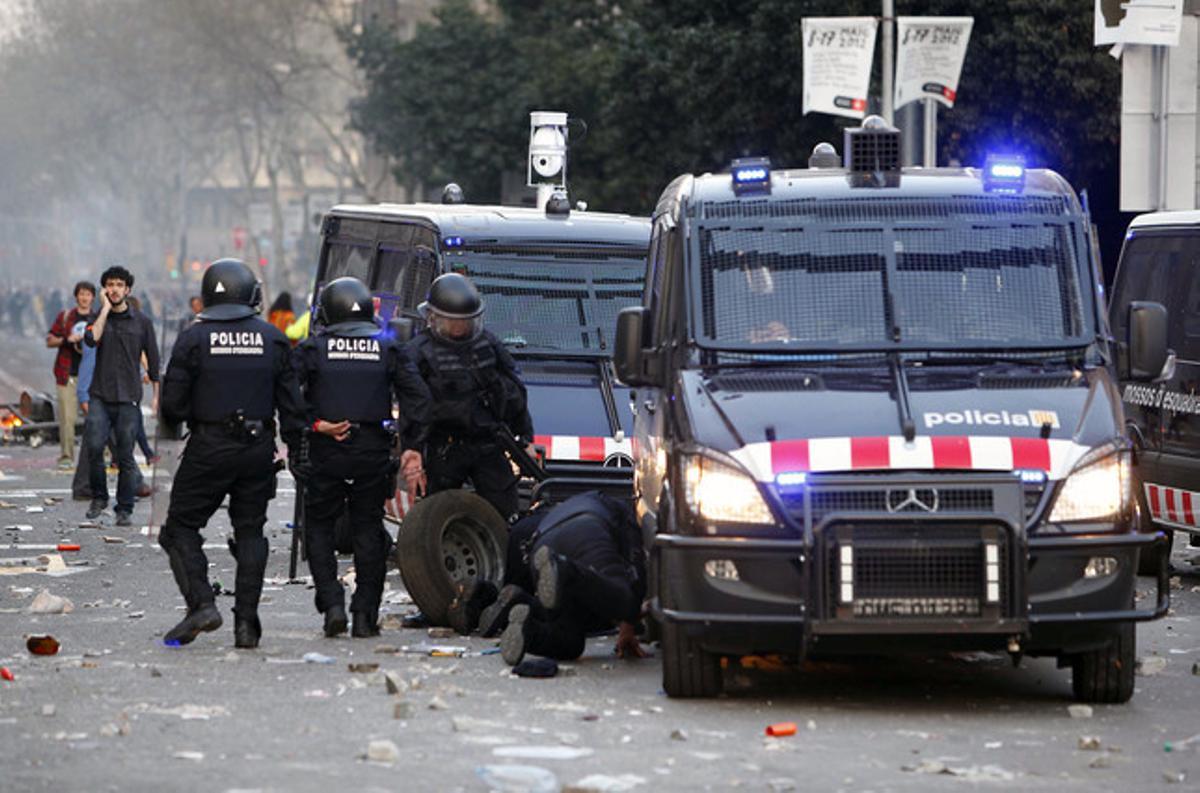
477 392
229 374
349 374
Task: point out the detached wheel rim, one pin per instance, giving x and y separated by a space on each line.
469 551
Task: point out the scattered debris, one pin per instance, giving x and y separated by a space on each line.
518 778
437 703
974 773
1196 668
679 735
402 710
1174 777
363 668
603 783
1089 743
188 712
781 729
1080 711
1150 665
383 751
154 672
136 615
441 633
44 644
395 684
189 755
110 730
35 510
49 710
1103 761
1187 744
114 540
316 658
781 784
45 603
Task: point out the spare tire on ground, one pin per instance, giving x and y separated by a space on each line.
447 539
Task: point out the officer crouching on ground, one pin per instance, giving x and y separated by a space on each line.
477 393
228 375
349 374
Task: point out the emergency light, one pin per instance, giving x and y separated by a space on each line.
1004 173
1032 476
452 242
791 479
751 175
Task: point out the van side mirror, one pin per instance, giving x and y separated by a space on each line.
629 359
402 328
1148 358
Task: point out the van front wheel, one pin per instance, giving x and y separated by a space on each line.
1106 675
688 669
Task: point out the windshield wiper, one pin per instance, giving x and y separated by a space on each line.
907 425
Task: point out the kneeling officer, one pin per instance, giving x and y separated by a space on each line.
228 375
349 374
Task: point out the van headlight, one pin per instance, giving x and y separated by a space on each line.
1098 488
722 492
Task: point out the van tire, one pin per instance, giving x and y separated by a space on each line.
688 670
445 540
1148 559
1106 675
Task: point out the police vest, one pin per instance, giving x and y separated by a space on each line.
352 379
237 363
465 381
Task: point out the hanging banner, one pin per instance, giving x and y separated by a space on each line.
838 52
929 57
1138 22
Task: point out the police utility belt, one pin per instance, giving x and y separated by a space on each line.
236 427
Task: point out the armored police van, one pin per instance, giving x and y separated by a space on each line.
552 282
1159 264
877 408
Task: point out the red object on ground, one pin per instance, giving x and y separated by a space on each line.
5 673
42 645
781 729
68 546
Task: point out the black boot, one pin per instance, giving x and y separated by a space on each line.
247 630
365 625
202 619
469 602
335 620
512 642
494 618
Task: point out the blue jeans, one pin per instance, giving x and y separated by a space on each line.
121 420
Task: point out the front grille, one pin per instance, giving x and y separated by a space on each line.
829 502
915 571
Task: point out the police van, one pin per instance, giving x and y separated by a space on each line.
1158 265
877 408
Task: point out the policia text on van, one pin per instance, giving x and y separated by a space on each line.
809 347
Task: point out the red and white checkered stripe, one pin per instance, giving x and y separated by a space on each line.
957 452
1173 506
582 448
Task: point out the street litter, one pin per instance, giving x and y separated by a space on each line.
383 751
187 712
1080 711
6 674
19 527
44 644
114 540
363 668
543 752
316 658
395 684
518 779
974 773
1089 743
67 546
1191 744
603 783
1150 665
437 703
781 729
45 603
194 756
35 510
49 710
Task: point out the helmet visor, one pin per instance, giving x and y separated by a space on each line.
454 328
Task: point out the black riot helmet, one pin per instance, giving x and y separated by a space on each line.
229 290
453 308
347 309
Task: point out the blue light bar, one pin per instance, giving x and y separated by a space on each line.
452 242
1004 173
791 479
1031 476
751 175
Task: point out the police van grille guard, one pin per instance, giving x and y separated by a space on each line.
916 572
948 500
1008 281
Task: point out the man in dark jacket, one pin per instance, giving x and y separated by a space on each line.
121 335
477 393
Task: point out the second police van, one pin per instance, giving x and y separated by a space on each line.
877 409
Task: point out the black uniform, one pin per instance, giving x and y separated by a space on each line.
227 379
476 387
354 378
598 549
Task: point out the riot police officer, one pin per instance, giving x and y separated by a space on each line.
477 393
228 375
349 374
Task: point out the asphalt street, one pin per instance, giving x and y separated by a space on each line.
114 709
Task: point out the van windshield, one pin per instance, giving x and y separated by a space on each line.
538 300
910 283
